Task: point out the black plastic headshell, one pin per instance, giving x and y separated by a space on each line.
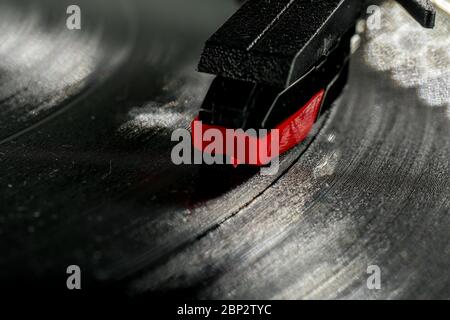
280 64
277 41
272 56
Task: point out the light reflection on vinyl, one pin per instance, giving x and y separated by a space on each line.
415 57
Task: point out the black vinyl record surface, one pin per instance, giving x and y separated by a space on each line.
86 176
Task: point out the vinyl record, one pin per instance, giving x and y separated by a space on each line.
86 176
